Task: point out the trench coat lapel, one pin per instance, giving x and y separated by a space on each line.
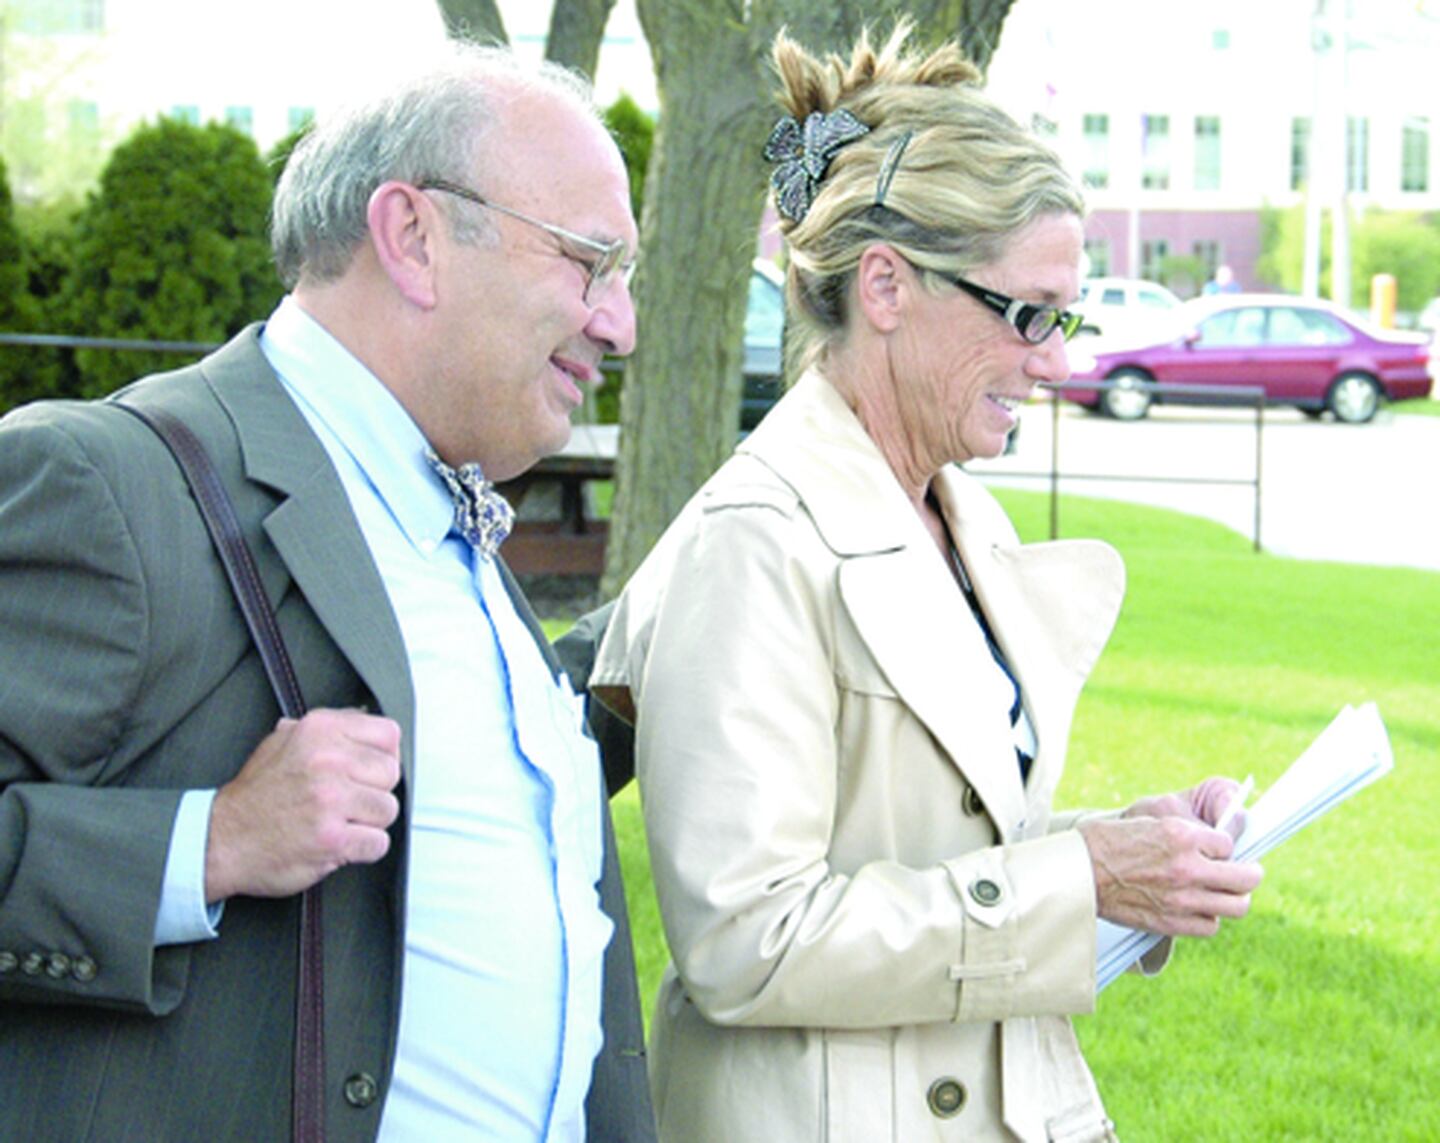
901 597
917 625
313 528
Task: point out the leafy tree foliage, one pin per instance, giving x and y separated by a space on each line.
172 247
1401 243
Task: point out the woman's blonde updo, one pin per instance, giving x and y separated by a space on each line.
966 180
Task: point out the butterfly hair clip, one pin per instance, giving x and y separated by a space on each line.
803 152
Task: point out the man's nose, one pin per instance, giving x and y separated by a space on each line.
612 321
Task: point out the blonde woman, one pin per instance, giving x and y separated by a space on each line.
852 686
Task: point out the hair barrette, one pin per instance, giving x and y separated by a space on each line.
803 153
890 166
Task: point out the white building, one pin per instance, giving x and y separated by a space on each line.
1184 119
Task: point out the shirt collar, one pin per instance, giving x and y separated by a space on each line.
364 416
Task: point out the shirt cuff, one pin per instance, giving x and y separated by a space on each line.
184 916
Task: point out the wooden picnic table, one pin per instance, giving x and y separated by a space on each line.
567 541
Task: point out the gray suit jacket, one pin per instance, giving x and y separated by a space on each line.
126 678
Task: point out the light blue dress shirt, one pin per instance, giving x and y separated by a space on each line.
504 935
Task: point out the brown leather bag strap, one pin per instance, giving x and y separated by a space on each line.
308 1092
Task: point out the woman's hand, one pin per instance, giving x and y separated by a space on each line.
1163 867
1205 803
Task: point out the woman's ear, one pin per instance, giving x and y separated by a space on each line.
404 226
883 280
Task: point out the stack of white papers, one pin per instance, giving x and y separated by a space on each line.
1349 754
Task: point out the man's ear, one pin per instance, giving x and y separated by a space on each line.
404 228
883 280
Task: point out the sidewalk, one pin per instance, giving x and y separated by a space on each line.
1352 493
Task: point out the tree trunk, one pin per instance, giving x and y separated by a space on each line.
703 195
477 20
679 410
576 29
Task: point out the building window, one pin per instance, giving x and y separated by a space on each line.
1207 152
1299 152
1220 39
1415 155
1207 253
241 118
186 113
84 118
1097 257
1357 154
1096 132
60 17
1155 152
300 117
1153 252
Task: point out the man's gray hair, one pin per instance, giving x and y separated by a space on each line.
430 125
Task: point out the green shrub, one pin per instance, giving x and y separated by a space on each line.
634 132
172 246
25 373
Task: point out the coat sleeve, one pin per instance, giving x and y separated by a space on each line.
82 849
738 705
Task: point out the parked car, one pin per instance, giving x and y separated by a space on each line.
1305 353
764 341
1119 308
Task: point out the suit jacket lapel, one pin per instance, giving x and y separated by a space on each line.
313 528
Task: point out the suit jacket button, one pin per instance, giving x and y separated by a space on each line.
972 804
361 1090
58 966
84 969
946 1098
33 964
9 962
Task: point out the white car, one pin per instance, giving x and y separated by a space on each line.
1122 308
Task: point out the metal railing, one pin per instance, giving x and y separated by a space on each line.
1243 395
66 341
1216 394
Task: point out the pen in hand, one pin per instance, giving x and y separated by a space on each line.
1236 802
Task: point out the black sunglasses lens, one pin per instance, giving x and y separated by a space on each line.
1041 324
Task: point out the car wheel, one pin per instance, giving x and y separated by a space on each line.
1129 398
1353 398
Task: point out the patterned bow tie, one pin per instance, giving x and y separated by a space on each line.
482 515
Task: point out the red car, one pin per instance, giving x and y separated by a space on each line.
1301 352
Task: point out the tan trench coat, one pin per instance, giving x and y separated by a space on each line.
878 931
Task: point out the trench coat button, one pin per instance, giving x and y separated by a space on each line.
946 1098
33 964
58 966
984 891
9 962
972 805
84 969
361 1090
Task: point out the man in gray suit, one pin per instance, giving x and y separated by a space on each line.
456 253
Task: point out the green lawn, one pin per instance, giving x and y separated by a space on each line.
1315 1018
1423 406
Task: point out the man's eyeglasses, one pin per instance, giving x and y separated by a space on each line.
1033 323
602 260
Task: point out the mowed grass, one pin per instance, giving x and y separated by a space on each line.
1422 406
1316 1017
